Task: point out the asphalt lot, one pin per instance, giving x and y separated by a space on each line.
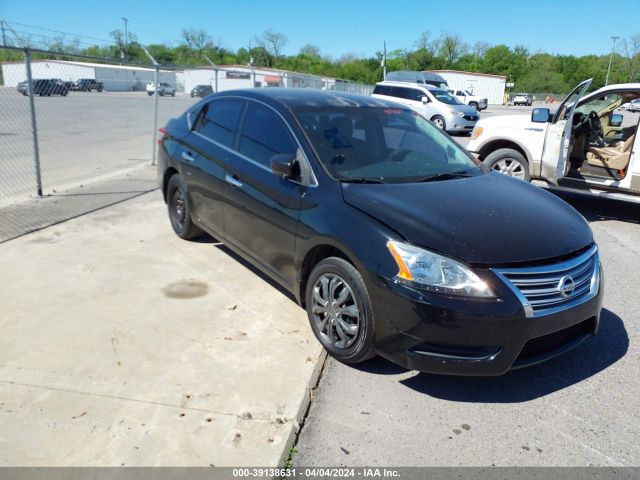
81 136
580 409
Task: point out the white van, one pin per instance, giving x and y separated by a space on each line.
435 104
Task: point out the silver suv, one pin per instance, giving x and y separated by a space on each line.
436 104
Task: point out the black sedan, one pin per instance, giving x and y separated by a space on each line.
201 91
45 87
389 234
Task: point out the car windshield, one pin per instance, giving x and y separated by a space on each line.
382 145
445 97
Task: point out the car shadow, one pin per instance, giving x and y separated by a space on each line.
596 209
216 243
593 356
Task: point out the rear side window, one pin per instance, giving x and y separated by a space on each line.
219 121
382 90
263 135
406 93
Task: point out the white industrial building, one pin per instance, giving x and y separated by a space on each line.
484 85
122 78
230 77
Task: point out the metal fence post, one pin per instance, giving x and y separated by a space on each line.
34 126
156 76
216 72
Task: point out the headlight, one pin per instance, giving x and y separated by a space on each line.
477 131
457 113
436 273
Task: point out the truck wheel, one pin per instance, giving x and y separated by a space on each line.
439 122
475 105
509 162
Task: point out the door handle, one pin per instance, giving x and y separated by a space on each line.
232 181
188 157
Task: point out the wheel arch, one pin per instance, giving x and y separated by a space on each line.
315 255
168 173
498 143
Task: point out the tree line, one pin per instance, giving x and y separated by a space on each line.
535 72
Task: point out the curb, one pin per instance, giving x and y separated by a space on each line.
303 410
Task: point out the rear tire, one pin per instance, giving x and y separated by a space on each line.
509 162
179 209
339 311
439 122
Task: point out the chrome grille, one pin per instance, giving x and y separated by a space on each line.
555 287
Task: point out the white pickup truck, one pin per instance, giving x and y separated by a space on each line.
468 98
586 145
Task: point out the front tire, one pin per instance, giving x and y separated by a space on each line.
475 105
439 122
339 310
180 210
509 162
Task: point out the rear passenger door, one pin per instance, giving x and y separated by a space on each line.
261 208
206 151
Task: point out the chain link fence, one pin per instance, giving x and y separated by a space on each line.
66 119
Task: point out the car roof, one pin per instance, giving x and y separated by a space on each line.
306 97
426 86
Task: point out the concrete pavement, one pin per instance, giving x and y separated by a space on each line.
123 345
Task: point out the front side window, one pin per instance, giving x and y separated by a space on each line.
263 135
219 121
386 145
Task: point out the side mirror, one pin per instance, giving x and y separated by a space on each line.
616 120
285 165
540 115
425 99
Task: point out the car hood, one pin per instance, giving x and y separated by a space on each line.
489 219
512 121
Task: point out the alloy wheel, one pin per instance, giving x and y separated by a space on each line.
511 167
336 314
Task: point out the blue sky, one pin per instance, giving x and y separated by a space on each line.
347 26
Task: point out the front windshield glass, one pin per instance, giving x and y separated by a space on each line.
382 145
599 104
445 97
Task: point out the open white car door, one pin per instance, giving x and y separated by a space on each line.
558 137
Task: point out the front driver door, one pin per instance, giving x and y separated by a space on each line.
261 208
558 136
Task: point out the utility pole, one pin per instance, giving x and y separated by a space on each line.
613 46
126 35
384 61
4 35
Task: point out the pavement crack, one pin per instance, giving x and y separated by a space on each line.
148 402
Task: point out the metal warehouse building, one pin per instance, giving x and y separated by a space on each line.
121 78
482 84
229 77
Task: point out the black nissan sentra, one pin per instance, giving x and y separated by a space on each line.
389 234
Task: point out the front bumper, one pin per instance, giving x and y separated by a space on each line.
460 124
455 336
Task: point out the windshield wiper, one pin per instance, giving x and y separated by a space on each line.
444 176
363 180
